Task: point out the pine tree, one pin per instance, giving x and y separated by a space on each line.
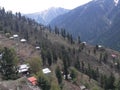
66 63
49 58
8 64
73 74
43 81
79 40
63 33
82 66
56 30
111 80
100 59
105 57
50 29
54 56
66 72
58 75
35 64
77 64
43 56
117 85
71 39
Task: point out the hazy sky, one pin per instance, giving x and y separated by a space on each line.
30 6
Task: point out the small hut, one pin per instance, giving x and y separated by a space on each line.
23 40
32 80
37 48
46 70
15 36
23 69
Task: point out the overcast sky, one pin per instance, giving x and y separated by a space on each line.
30 6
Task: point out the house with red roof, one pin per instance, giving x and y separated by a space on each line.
32 80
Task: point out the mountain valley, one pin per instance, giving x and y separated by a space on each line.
79 49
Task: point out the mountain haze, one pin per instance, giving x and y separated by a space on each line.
46 16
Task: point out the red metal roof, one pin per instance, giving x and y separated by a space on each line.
33 80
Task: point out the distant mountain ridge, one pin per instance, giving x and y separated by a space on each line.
88 21
96 22
46 16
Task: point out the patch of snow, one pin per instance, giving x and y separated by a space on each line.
110 22
116 2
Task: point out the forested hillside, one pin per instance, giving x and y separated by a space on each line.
96 22
73 63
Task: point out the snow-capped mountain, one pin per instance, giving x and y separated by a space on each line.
116 2
46 16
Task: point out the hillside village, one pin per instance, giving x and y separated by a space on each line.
24 51
35 57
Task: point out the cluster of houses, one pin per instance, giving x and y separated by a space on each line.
33 79
24 69
22 40
15 36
